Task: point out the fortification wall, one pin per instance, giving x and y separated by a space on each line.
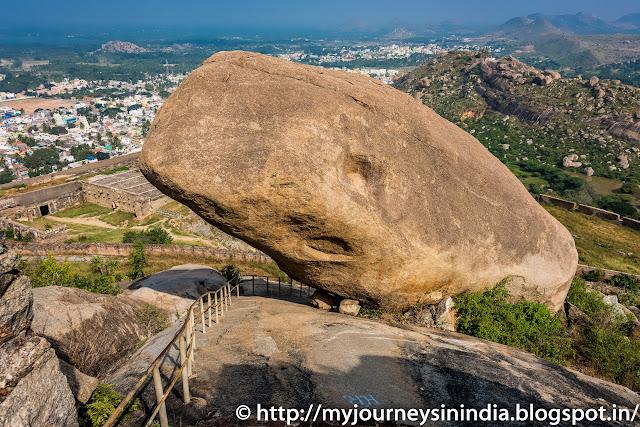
581 269
54 234
45 201
124 249
100 166
600 213
589 210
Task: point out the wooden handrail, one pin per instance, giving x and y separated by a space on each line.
186 335
189 327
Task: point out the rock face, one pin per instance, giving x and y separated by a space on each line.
350 185
33 390
90 331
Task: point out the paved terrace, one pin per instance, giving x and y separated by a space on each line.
131 182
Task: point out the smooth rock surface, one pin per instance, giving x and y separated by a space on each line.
15 308
90 331
350 185
325 357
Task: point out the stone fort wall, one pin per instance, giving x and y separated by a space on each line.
124 249
100 166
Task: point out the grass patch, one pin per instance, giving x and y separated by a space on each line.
601 243
151 219
84 209
102 404
112 171
118 217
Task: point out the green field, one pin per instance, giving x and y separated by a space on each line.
601 243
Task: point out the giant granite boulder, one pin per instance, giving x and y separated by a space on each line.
351 186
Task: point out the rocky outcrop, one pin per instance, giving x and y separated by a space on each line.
90 331
351 186
33 390
570 161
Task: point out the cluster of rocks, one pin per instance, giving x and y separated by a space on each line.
327 301
34 391
569 161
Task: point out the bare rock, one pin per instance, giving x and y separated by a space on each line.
588 171
82 386
424 82
593 81
553 74
575 316
15 308
349 306
444 315
569 161
41 396
623 161
379 199
323 300
93 332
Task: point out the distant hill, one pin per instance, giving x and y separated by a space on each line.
629 22
117 46
522 113
539 24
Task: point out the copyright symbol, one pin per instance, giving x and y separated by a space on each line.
243 412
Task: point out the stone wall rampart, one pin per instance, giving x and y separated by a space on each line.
124 249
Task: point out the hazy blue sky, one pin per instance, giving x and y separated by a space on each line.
293 13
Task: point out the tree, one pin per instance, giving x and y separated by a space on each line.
137 260
6 176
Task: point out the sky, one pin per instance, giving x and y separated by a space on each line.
323 14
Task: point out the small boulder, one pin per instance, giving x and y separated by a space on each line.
569 161
623 161
553 74
575 316
323 300
349 306
444 316
593 81
82 386
424 82
588 171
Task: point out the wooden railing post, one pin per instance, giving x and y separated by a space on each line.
185 373
193 334
238 288
204 329
215 302
157 383
209 309
229 293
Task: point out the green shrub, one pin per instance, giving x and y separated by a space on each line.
153 236
624 281
371 313
8 233
593 275
48 272
102 404
604 345
526 325
589 302
230 271
137 260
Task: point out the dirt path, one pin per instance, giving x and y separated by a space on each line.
84 221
